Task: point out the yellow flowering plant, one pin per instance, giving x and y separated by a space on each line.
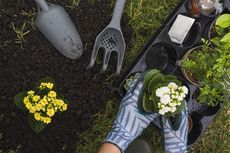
41 103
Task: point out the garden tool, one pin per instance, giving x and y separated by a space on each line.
111 39
55 24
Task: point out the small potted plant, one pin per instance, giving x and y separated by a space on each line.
130 80
208 68
163 94
219 27
41 103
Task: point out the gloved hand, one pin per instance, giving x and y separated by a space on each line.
130 121
175 135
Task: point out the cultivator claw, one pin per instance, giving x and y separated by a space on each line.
119 62
105 61
111 39
93 56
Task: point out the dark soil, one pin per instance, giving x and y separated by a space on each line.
21 65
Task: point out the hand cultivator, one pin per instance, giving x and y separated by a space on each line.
111 39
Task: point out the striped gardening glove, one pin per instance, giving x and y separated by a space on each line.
130 121
175 135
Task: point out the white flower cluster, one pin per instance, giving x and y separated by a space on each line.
170 97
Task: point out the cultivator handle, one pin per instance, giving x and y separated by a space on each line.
42 4
117 13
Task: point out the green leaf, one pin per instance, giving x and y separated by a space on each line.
36 126
67 101
45 79
18 100
60 96
127 84
158 78
171 78
147 105
131 80
180 108
223 21
149 76
226 38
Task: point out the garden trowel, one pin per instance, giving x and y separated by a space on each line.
56 25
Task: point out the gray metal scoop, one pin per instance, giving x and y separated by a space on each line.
111 39
55 24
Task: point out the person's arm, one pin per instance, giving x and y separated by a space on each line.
130 121
109 148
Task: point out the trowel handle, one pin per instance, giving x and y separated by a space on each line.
42 4
117 13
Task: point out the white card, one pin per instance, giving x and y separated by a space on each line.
180 28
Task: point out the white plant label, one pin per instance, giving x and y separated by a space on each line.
180 28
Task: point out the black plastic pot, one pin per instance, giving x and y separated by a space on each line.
196 130
227 4
204 109
209 111
212 31
161 56
193 35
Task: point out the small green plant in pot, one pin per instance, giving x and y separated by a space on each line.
209 65
221 26
131 80
163 94
41 103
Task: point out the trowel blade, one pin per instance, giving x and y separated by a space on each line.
56 25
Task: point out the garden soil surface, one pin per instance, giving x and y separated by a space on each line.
24 63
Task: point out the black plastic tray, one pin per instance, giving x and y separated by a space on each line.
201 119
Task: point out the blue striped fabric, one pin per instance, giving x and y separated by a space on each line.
175 141
130 121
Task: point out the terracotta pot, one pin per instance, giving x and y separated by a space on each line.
190 124
196 128
194 7
198 7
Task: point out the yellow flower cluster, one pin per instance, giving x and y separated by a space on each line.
48 85
44 107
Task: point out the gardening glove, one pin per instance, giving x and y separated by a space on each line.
175 135
130 121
